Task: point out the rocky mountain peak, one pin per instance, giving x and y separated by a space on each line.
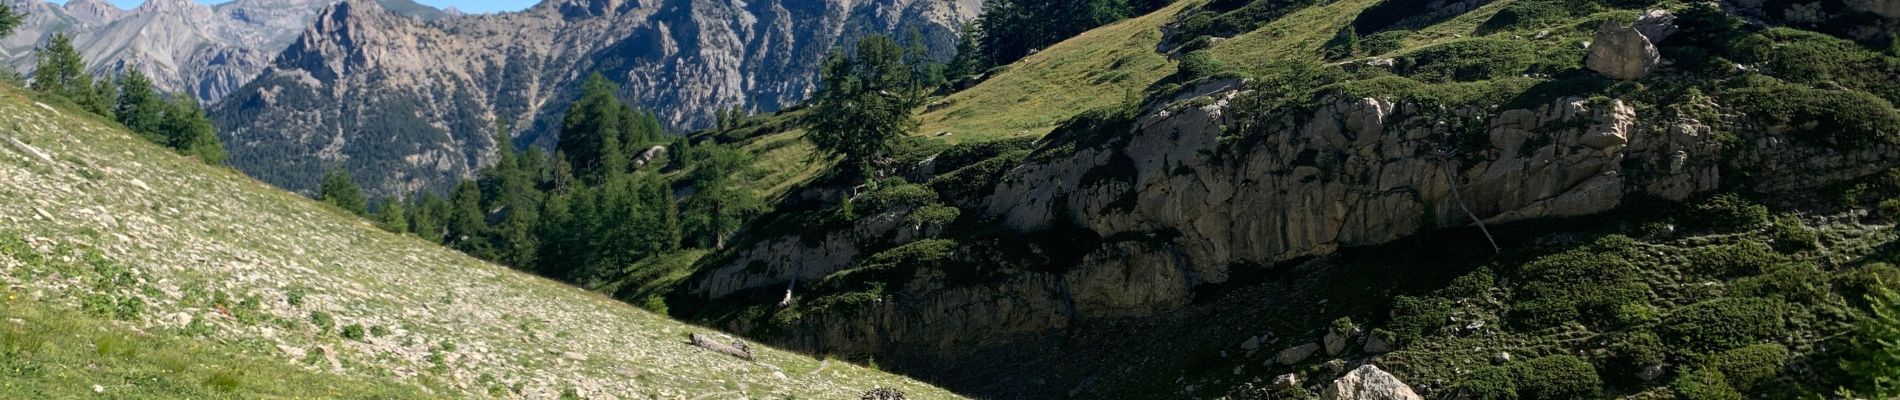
575 9
170 6
340 37
92 11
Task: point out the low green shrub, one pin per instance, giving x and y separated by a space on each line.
894 194
1630 352
1546 378
1798 282
353 332
1470 60
933 215
1592 284
1558 377
1748 366
1726 212
1199 64
322 320
1841 119
1416 317
1535 14
1819 59
1791 235
1721 324
977 180
1889 209
1489 383
1383 42
1732 260
1704 384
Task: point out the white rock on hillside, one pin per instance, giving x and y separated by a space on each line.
1368 383
1622 53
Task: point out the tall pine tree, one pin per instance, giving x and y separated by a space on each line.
140 107
719 204
592 131
468 223
59 70
188 130
341 190
864 104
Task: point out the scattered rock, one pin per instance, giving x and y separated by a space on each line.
29 150
1377 344
1296 354
1501 358
882 394
1650 373
1335 342
1250 344
330 356
708 343
1336 366
1622 53
1657 25
1286 381
649 155
1368 383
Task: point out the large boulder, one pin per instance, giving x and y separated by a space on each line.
1622 53
1368 383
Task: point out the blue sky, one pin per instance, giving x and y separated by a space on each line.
474 6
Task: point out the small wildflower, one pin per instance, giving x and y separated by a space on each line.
98 389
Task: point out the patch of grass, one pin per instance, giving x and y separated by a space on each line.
1030 97
53 353
1722 324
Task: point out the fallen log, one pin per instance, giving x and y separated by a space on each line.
737 349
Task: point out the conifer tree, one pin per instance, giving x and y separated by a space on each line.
468 223
340 189
512 193
426 217
719 205
59 70
188 130
970 59
592 131
9 20
864 104
139 107
391 216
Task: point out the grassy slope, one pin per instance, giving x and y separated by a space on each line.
1030 97
214 281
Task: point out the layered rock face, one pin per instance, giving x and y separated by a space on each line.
1178 207
408 105
1873 21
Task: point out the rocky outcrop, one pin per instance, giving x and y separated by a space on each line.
1182 201
1622 53
1869 21
1368 383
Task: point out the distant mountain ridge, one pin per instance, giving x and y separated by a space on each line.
206 51
408 105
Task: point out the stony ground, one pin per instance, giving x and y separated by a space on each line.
177 248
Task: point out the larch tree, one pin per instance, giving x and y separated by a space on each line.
340 189
863 104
